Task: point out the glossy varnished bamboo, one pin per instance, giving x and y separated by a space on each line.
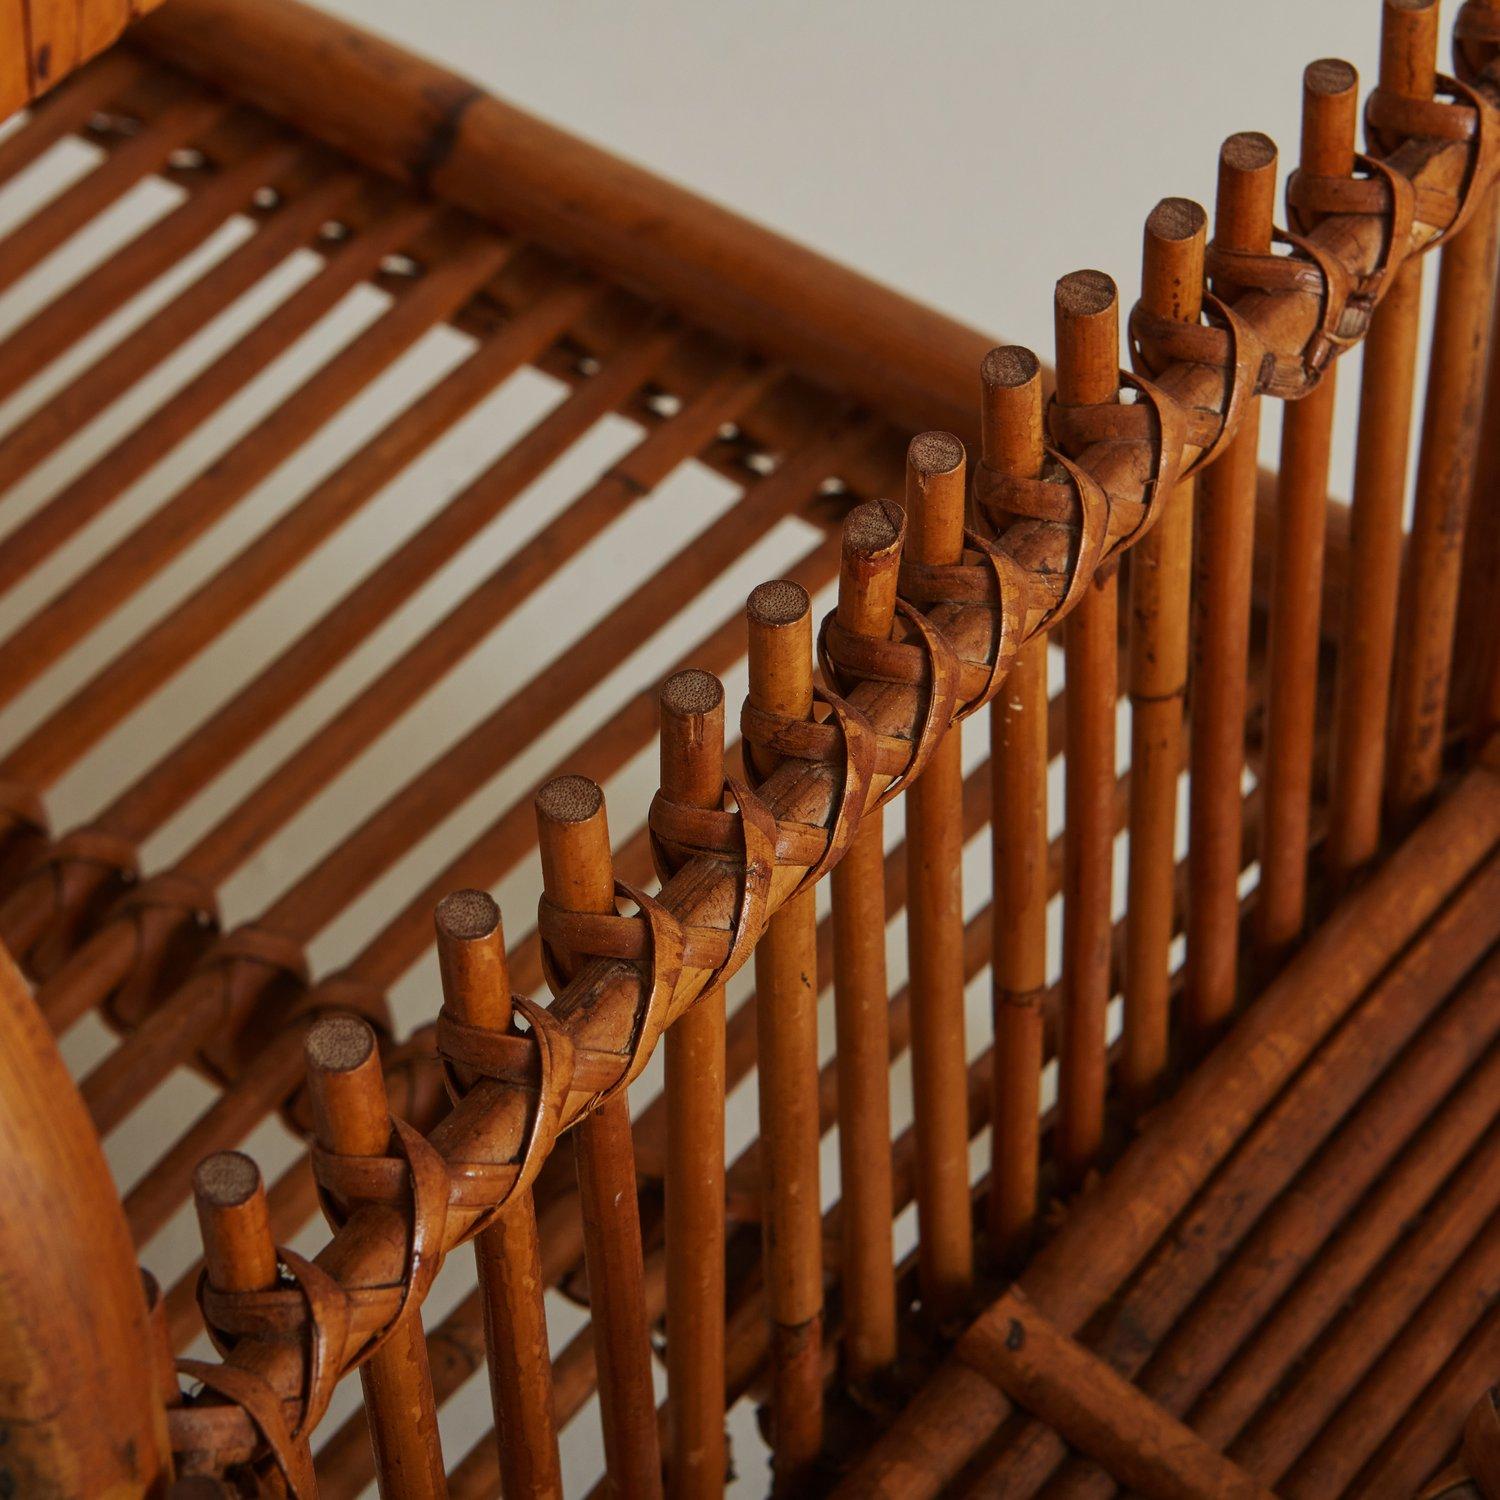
692 773
578 875
351 1117
1330 103
507 1254
1367 640
779 618
866 606
1221 637
1160 608
1086 317
935 478
1013 434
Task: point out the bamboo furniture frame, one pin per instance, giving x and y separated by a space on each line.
1242 1238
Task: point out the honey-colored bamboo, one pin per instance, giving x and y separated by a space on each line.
695 1083
1014 439
476 988
1330 99
871 554
578 875
1408 59
351 1117
1086 317
779 619
1225 548
1159 646
935 479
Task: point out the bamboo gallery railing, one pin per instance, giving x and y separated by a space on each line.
881 1373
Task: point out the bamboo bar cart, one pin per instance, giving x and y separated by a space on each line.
1204 1202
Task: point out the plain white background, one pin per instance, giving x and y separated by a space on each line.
966 153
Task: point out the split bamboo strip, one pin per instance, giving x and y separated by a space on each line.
1013 439
578 876
1330 98
779 619
935 482
476 989
1160 612
1086 315
695 1083
1408 57
869 564
1225 549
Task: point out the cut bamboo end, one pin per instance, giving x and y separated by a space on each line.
936 466
1409 47
1175 241
692 738
869 568
779 617
1246 202
346 1087
573 839
1086 316
1330 117
230 1197
1012 422
471 958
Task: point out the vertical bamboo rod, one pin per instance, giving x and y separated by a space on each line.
692 772
779 617
239 1254
578 875
1013 436
351 1117
1445 489
1330 107
866 606
1221 651
476 989
1362 683
1160 613
935 472
1086 315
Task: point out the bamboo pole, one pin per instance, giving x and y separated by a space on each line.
1160 612
1226 543
1408 59
476 989
1086 315
1013 435
873 535
779 619
935 473
1330 102
351 1117
578 875
692 773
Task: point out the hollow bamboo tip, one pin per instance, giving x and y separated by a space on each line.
872 528
934 453
339 1044
1085 294
1175 220
1330 77
691 694
467 916
1248 151
778 603
569 799
1009 367
227 1179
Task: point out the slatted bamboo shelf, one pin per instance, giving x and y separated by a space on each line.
1203 1202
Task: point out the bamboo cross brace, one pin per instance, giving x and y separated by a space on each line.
598 1009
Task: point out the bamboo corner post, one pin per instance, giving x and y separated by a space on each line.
779 618
578 876
508 1257
1086 316
935 480
868 570
1243 216
1159 625
1014 442
1367 636
351 1117
1330 107
691 707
